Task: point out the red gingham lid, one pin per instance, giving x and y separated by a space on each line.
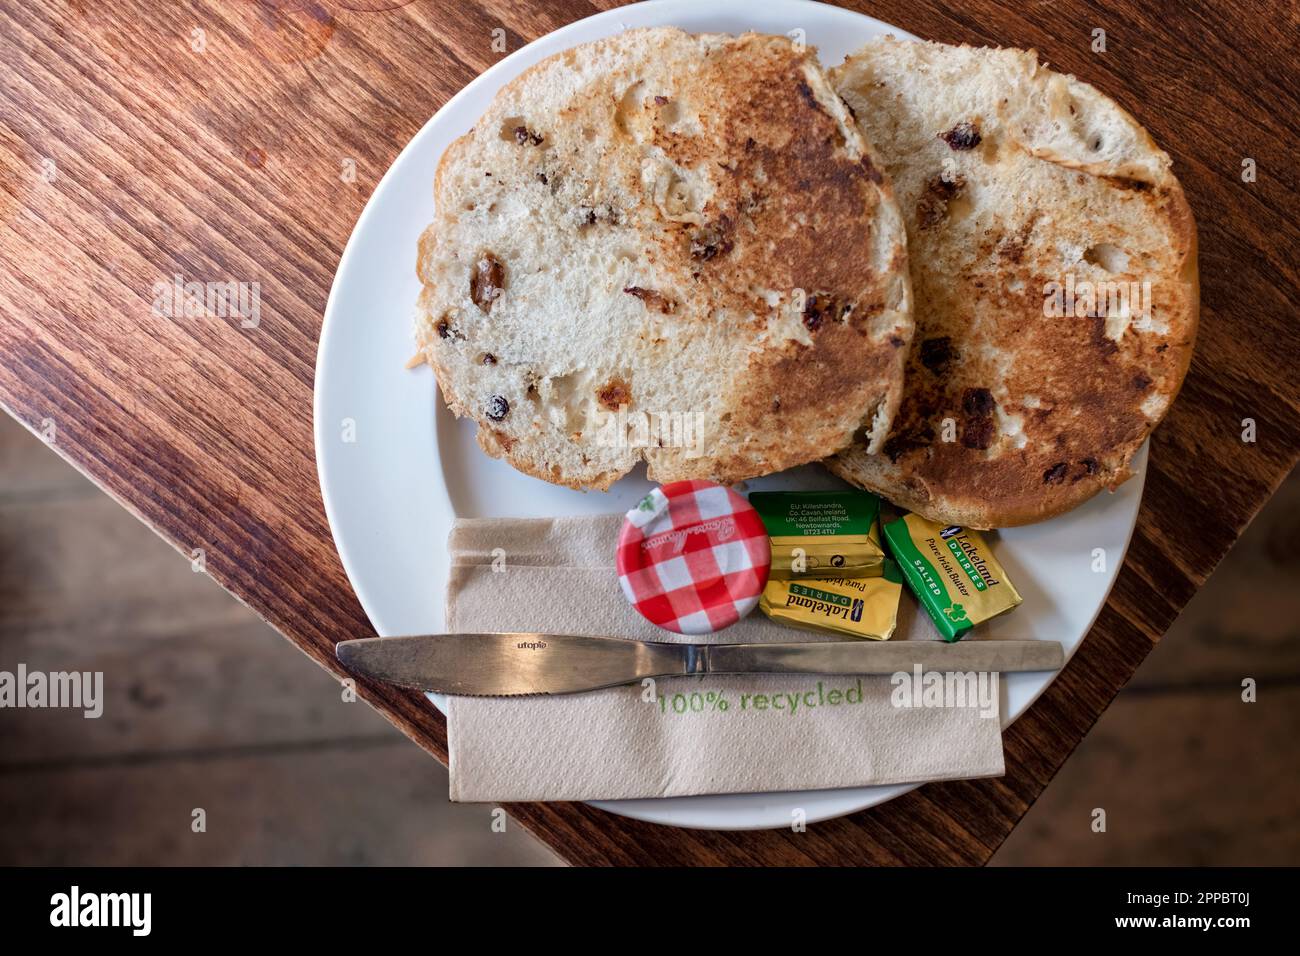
693 557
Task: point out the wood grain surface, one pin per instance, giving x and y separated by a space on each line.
139 141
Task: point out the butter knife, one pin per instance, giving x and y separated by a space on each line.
513 664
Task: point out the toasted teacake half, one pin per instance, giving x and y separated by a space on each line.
1024 191
667 246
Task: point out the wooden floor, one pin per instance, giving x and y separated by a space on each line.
205 707
1186 771
221 714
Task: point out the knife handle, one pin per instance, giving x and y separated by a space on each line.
883 657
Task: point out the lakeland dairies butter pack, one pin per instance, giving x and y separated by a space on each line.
858 607
820 533
952 572
829 570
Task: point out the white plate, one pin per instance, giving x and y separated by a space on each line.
392 492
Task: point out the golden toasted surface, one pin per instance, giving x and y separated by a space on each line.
685 231
1053 262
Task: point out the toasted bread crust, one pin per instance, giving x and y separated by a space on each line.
741 262
1011 414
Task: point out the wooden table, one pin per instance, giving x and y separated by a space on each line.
210 140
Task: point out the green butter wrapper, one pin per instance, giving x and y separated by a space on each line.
819 533
952 572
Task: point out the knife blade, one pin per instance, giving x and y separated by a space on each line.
505 665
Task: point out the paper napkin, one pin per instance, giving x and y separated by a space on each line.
695 735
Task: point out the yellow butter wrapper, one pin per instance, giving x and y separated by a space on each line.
858 607
821 533
952 572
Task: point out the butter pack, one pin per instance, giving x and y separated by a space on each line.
952 572
857 607
821 533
